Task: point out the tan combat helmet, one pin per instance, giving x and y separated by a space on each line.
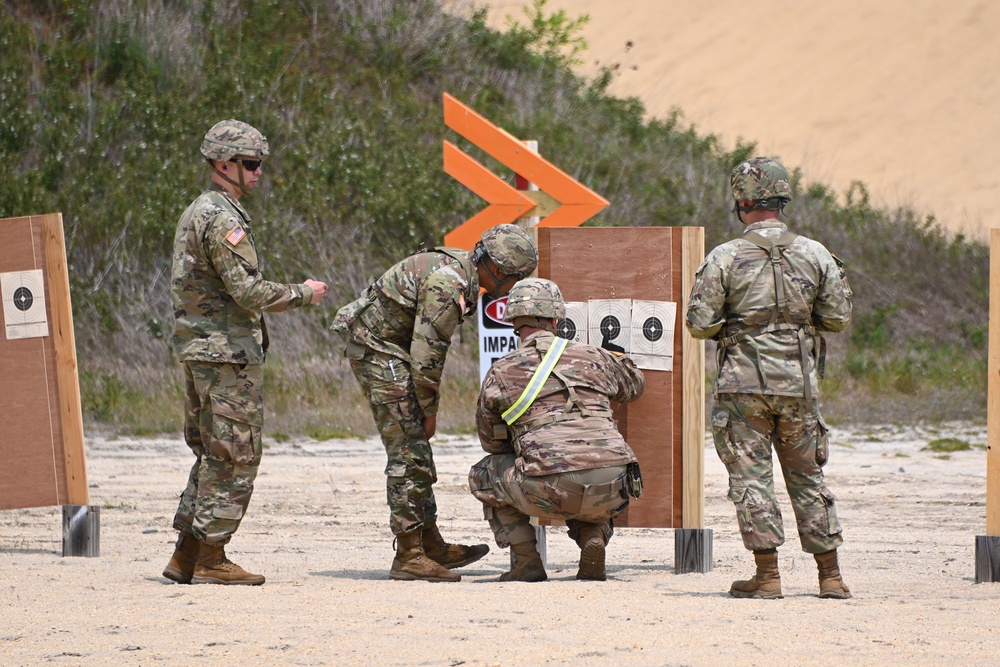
763 181
230 140
535 297
511 249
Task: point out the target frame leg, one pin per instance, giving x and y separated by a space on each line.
81 530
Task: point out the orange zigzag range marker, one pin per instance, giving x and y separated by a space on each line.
578 203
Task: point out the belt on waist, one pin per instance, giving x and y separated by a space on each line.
590 489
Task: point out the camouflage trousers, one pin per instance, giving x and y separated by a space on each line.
410 472
223 415
510 498
745 427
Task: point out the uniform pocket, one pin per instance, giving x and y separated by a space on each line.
829 502
236 427
738 495
822 443
721 436
387 378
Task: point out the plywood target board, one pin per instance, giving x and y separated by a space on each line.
636 281
41 432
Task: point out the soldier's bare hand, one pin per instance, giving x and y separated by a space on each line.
318 289
430 426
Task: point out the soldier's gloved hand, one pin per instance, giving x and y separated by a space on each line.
611 347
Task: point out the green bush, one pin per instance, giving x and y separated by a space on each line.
103 105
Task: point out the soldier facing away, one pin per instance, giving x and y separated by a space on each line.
221 339
764 298
544 416
398 334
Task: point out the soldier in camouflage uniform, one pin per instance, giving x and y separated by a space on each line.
221 339
544 416
398 334
764 298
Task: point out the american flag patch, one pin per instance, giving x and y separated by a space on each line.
236 235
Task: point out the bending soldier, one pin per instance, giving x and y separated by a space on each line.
398 337
544 416
221 339
764 298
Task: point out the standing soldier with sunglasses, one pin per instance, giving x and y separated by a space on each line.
221 339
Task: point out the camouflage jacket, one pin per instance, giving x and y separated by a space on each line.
411 313
217 290
734 292
569 425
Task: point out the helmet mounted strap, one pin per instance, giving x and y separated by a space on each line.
498 283
240 184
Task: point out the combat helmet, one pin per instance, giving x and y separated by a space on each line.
763 181
511 249
535 297
230 138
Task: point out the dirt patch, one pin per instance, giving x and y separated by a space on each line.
317 528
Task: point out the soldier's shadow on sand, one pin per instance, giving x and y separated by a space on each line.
353 574
37 552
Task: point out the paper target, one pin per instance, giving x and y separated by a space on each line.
24 304
574 326
611 318
652 331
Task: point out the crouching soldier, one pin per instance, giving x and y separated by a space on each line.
544 415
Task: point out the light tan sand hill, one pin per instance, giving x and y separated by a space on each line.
901 94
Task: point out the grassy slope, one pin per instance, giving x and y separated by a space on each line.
103 104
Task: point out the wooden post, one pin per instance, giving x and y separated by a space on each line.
988 546
81 530
692 542
64 339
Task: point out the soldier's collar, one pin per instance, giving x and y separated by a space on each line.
215 187
765 224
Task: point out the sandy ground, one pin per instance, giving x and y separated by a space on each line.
317 529
901 94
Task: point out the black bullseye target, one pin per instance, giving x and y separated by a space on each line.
652 329
611 328
23 298
566 329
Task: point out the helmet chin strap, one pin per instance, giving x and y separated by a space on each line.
772 204
498 284
241 185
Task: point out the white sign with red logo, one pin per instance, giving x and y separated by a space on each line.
496 337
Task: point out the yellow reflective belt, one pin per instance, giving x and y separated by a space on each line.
542 373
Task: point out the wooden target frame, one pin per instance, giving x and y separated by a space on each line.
665 427
41 432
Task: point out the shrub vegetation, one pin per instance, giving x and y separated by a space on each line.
103 104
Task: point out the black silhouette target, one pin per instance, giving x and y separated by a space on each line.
566 329
652 329
23 298
611 328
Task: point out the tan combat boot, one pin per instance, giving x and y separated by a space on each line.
527 565
449 555
766 584
181 565
591 553
411 563
830 583
214 568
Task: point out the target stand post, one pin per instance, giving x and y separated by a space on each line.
81 530
988 546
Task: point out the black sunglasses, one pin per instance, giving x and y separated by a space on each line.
250 165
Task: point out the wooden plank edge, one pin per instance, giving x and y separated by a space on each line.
67 375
